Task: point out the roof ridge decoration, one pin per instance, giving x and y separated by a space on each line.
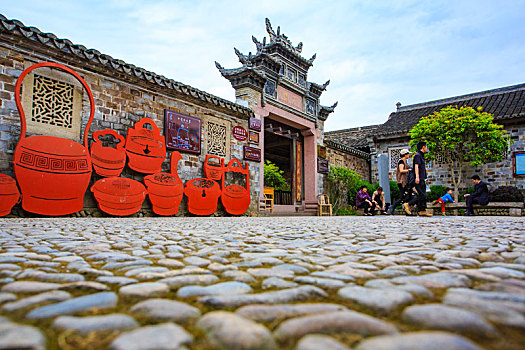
17 28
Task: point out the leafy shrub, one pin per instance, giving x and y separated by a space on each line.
341 182
506 194
273 176
346 211
394 191
436 192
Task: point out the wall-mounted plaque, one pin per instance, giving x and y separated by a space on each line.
322 166
518 164
254 137
321 152
182 132
255 124
252 153
239 133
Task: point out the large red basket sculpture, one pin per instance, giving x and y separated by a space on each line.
9 194
108 161
235 198
146 149
165 190
53 172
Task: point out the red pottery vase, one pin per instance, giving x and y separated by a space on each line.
165 190
108 161
9 194
53 172
146 149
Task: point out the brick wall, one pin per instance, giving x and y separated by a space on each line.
340 158
119 104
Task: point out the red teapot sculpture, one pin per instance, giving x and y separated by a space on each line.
213 169
9 194
165 190
202 196
108 161
53 172
146 149
119 195
235 198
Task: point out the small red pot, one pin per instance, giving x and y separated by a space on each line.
202 196
119 195
9 194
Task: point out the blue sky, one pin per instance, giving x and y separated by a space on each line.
375 53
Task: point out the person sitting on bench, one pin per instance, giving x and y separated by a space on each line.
479 196
363 200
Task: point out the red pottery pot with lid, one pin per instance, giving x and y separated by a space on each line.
236 198
9 194
165 190
53 172
108 161
146 149
119 195
203 195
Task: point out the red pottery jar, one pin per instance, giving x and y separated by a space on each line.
9 194
202 196
53 172
235 198
108 161
213 169
119 195
146 149
165 190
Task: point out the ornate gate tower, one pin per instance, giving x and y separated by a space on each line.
273 82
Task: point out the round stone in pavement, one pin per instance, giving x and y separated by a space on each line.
444 317
29 287
228 288
270 313
227 330
79 304
165 310
316 342
14 336
333 323
85 325
166 336
146 290
418 341
382 300
46 297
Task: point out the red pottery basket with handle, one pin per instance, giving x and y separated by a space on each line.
213 169
146 149
9 194
53 172
203 195
165 190
108 161
235 198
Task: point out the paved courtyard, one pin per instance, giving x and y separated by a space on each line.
263 283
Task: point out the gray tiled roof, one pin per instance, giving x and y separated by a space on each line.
353 137
16 27
504 103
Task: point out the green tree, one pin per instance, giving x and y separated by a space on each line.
459 136
340 182
273 176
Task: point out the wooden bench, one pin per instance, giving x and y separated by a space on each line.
493 208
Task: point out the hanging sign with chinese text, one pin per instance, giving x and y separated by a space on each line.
182 132
255 124
239 133
321 152
252 153
254 137
322 166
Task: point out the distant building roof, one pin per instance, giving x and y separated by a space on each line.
65 46
504 103
353 137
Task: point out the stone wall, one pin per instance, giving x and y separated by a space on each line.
120 102
494 174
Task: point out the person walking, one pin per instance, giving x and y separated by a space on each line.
363 200
420 172
445 198
479 196
402 181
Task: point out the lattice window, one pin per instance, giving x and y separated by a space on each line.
216 139
52 102
394 156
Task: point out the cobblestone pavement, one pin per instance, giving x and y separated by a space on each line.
263 283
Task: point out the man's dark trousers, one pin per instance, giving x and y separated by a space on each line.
421 198
471 200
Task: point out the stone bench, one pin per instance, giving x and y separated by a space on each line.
493 208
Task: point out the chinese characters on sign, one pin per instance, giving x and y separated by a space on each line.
254 137
255 124
298 171
182 132
290 98
252 153
321 152
240 133
322 166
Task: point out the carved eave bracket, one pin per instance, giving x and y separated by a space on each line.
325 111
244 76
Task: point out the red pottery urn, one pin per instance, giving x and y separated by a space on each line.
119 195
165 190
236 198
146 148
202 196
53 172
108 161
9 194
